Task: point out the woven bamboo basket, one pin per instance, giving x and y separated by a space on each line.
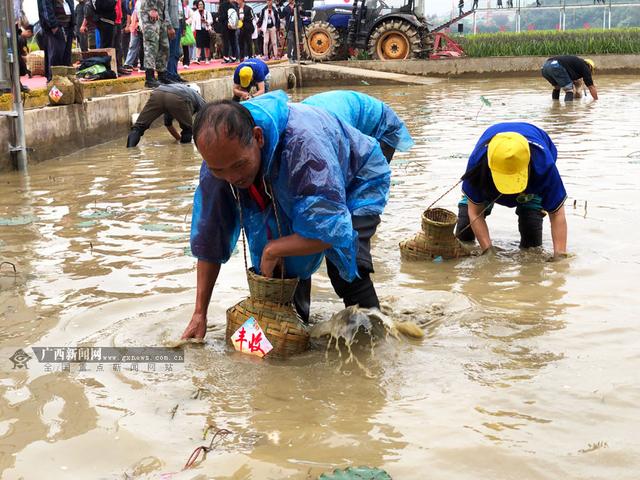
419 247
275 290
280 323
270 304
438 223
35 62
436 239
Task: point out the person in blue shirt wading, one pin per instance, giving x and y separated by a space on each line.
514 164
329 190
252 73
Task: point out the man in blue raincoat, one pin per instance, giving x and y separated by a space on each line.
369 115
303 184
514 164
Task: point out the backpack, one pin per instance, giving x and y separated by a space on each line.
233 19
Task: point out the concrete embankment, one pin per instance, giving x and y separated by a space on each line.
488 66
56 131
346 73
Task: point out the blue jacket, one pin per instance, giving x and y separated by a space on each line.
368 114
544 178
321 172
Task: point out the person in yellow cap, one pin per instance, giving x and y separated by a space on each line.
250 74
562 71
513 164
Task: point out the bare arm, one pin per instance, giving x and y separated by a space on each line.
206 280
174 133
289 246
559 231
479 225
261 89
239 92
594 92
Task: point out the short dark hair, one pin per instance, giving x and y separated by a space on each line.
228 116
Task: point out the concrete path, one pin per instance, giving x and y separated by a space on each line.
342 72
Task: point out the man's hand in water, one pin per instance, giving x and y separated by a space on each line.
197 327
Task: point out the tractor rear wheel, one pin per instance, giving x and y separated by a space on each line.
323 41
394 40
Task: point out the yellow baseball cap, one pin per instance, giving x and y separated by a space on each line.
509 157
246 75
591 63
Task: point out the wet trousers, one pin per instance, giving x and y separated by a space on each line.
172 107
358 292
529 225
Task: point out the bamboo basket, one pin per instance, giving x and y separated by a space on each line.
280 322
35 62
275 290
438 223
270 303
436 239
419 248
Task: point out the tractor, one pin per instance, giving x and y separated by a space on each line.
385 32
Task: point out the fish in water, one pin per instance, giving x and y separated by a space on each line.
346 323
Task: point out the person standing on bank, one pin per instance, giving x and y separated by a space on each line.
176 21
78 14
178 101
252 73
563 70
156 31
514 164
290 29
328 192
56 20
269 24
246 30
201 21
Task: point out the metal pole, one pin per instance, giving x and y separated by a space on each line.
297 34
475 30
18 150
560 21
609 15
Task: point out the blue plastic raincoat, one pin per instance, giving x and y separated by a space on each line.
321 172
369 115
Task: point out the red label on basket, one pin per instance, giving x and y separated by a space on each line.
250 339
55 94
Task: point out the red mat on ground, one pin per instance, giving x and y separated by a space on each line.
41 82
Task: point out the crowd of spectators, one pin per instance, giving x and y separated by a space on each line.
155 35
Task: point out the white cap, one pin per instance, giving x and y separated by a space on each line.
195 87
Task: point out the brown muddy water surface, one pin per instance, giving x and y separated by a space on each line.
529 369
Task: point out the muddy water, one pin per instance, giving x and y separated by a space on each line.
529 369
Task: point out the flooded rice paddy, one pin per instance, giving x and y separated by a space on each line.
528 370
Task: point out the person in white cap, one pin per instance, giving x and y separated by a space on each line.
176 101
